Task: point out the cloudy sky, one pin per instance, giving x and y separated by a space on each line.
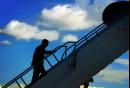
24 23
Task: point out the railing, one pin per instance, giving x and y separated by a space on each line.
64 50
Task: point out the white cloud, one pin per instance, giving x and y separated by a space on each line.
50 35
95 9
113 75
66 17
70 37
122 61
5 42
99 4
21 30
79 16
82 3
1 31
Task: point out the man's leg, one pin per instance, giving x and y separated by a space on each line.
42 71
35 75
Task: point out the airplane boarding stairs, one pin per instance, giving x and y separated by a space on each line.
81 60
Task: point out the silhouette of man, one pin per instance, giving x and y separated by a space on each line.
86 84
37 62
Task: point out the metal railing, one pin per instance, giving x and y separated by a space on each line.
68 49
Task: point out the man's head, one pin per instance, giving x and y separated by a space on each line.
45 42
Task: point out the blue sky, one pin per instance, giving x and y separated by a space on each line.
23 23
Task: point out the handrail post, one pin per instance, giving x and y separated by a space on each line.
49 62
55 57
64 53
23 81
18 84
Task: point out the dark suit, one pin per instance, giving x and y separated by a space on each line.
39 70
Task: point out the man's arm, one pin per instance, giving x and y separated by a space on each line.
49 52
